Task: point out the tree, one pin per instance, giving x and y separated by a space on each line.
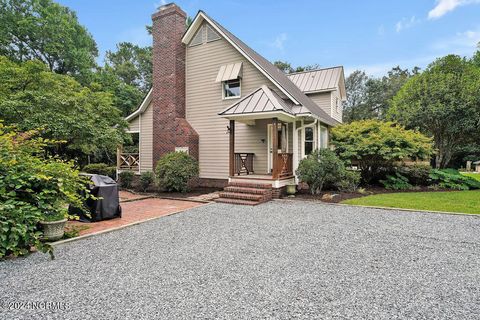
355 106
286 67
443 102
125 97
370 98
377 145
33 97
131 64
46 31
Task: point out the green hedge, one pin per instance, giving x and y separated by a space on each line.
174 171
101 168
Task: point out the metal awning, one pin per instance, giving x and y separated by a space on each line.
229 72
261 103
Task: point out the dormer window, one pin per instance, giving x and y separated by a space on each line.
231 89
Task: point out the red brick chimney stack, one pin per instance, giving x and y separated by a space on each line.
170 129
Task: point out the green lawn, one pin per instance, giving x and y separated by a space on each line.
454 201
472 175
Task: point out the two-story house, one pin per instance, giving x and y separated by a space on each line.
223 103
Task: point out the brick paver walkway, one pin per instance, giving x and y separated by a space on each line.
138 210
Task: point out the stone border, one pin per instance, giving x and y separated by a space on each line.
85 236
387 208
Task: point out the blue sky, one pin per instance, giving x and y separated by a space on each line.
369 35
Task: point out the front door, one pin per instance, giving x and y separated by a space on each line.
282 142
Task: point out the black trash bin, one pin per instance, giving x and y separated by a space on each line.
107 205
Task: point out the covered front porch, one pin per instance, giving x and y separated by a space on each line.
274 164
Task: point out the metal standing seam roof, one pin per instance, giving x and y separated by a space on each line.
262 99
229 72
317 80
277 75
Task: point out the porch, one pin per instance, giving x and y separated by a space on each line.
272 165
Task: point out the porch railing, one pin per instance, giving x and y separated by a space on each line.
128 161
243 163
284 165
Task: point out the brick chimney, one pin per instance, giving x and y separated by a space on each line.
170 128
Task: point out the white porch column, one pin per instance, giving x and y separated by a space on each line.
295 149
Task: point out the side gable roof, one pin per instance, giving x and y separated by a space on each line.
263 65
143 106
319 80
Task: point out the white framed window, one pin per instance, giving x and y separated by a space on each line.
309 140
231 89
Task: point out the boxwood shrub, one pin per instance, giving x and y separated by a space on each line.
174 170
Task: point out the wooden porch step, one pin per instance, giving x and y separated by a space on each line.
246 190
242 196
237 201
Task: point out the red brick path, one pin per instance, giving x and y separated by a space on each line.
139 210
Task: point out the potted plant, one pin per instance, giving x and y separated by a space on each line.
53 223
291 189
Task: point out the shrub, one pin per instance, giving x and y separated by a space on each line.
452 179
32 188
146 180
396 182
101 168
417 174
319 168
126 179
377 144
349 181
174 171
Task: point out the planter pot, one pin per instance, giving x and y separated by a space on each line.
53 230
291 189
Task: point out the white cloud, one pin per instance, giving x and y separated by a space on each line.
406 23
157 4
444 6
463 43
279 41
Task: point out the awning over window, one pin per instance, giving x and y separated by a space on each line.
229 72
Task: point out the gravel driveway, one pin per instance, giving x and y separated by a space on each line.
283 259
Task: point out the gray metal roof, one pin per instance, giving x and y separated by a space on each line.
317 80
261 100
278 76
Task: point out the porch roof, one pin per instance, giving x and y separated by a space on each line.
259 103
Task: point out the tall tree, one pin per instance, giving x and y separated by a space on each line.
32 97
355 107
132 64
443 102
370 98
46 31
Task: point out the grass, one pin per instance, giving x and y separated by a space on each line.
472 175
453 201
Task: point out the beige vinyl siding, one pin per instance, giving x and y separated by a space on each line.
143 123
337 114
204 102
134 125
323 100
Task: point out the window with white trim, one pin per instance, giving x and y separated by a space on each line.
231 89
309 142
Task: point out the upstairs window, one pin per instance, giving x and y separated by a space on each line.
231 89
